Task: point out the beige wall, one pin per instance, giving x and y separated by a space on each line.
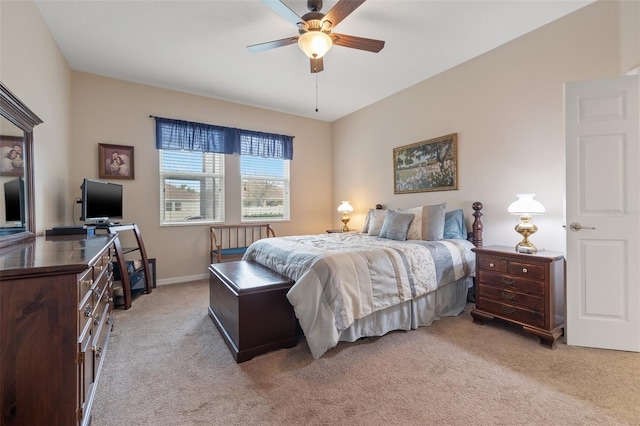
115 112
507 108
33 68
629 36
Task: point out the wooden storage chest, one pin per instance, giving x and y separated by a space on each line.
248 304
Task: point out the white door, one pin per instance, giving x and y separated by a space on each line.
603 213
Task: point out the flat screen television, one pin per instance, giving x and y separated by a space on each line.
101 201
14 200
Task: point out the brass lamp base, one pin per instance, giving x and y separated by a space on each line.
526 228
345 219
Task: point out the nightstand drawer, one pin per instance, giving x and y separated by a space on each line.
511 312
527 270
525 300
522 284
492 264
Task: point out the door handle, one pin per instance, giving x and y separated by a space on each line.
575 226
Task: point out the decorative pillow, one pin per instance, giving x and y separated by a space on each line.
454 225
376 220
395 226
428 222
415 229
433 222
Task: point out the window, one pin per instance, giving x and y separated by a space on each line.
265 188
192 171
191 187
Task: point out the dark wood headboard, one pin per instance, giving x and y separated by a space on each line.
476 233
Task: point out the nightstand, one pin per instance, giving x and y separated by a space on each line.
524 289
339 231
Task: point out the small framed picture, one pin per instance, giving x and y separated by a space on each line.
12 155
115 161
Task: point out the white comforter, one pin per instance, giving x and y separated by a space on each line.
346 276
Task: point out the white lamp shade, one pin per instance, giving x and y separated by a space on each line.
526 205
345 207
315 44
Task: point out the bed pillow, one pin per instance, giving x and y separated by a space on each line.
367 219
415 228
395 226
376 220
433 222
428 222
454 225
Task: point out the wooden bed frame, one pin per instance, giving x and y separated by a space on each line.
475 236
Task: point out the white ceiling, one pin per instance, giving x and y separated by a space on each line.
200 46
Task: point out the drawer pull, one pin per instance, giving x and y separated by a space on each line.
508 296
98 268
97 350
87 311
506 310
88 283
491 265
524 270
507 281
96 320
96 294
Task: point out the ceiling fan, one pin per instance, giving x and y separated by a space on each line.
315 28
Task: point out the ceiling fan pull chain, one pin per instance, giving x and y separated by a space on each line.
316 92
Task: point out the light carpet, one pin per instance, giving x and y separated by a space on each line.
167 364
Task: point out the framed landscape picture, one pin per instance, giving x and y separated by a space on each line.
12 156
430 165
115 161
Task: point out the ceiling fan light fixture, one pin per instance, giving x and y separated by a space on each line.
315 44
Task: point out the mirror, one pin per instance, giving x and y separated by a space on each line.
17 209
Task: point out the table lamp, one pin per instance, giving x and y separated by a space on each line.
525 207
345 208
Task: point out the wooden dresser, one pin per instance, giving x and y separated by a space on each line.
525 289
55 320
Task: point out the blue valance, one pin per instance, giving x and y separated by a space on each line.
191 136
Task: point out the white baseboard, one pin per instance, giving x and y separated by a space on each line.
185 279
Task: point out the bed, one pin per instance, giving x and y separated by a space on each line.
403 270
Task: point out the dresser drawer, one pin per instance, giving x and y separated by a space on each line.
105 259
85 312
491 264
101 308
525 300
511 281
86 376
527 270
102 326
511 312
102 285
85 281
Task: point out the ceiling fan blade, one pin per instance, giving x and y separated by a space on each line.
341 10
272 44
283 10
316 65
354 42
